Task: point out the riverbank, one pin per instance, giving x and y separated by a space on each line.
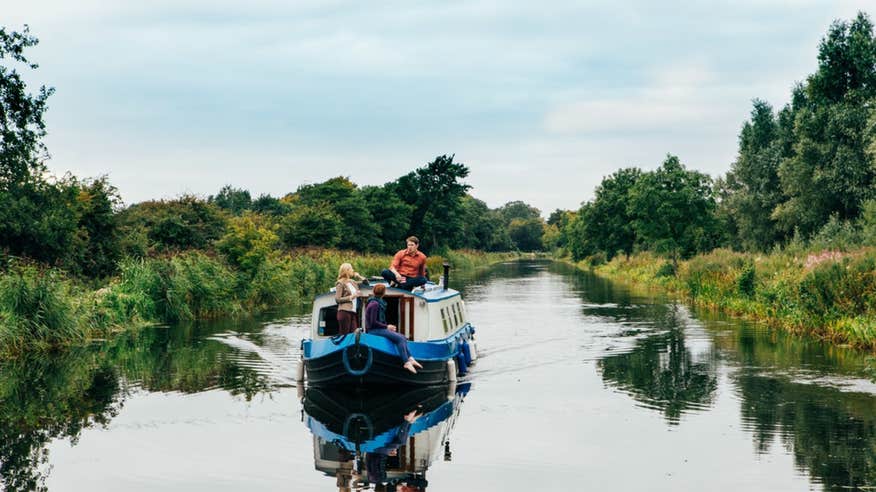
827 294
43 309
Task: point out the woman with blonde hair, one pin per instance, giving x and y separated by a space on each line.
346 295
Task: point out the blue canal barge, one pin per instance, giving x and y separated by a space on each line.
434 320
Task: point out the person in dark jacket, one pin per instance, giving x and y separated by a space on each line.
375 324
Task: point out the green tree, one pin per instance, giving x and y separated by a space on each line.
846 62
21 115
608 222
344 198
752 186
830 171
390 214
184 223
268 205
559 217
526 234
673 210
518 210
579 243
435 193
524 225
34 218
311 225
95 247
249 242
483 228
234 200
557 232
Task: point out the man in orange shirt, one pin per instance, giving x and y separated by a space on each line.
408 269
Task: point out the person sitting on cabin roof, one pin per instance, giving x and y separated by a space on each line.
375 324
408 268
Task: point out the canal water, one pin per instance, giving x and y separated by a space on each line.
583 384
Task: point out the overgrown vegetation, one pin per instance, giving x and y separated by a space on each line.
793 219
804 182
40 308
831 295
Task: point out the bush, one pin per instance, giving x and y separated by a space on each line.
745 282
37 307
596 259
249 242
174 225
667 269
307 225
836 234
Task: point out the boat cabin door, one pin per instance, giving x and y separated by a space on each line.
400 312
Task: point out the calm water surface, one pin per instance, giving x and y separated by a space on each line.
582 385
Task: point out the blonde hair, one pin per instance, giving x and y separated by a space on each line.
345 272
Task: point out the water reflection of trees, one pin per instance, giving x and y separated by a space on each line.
43 398
661 372
47 397
831 433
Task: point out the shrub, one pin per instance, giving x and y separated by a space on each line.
745 282
316 225
37 307
667 269
249 242
174 225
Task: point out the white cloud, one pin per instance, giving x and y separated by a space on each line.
540 100
676 95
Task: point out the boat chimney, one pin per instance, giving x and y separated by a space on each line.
446 274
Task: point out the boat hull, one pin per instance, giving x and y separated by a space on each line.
368 360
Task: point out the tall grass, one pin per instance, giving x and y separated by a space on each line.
828 293
40 308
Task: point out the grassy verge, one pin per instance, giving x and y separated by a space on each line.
41 308
830 294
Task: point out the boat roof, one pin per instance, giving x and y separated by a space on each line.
431 292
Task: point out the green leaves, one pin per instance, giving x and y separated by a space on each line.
673 210
21 115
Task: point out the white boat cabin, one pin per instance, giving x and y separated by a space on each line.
428 313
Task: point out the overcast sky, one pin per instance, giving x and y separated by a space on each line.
539 99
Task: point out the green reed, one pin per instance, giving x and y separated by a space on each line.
40 308
830 294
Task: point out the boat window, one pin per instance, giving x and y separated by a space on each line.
461 313
444 320
455 315
328 322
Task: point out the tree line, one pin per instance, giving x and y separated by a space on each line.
804 173
82 226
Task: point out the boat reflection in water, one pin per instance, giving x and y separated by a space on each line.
385 438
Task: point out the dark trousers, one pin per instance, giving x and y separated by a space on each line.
346 322
401 343
408 284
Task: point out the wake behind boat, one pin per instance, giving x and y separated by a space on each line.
433 318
